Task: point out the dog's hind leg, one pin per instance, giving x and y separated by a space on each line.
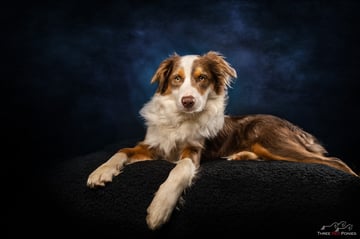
296 153
243 155
112 167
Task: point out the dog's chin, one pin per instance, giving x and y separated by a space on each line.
191 110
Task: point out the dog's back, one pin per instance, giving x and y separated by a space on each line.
268 137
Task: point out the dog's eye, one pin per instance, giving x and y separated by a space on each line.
202 77
177 78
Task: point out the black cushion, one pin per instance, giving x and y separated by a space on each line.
258 198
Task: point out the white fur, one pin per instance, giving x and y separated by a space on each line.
171 127
168 127
187 89
105 172
166 198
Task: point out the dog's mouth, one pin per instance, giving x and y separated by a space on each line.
192 110
189 111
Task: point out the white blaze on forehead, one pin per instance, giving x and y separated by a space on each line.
187 64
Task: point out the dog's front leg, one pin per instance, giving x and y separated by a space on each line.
105 172
169 192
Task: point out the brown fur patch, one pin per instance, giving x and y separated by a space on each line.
220 71
163 73
243 155
201 79
139 152
193 153
212 65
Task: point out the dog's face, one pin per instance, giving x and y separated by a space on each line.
192 79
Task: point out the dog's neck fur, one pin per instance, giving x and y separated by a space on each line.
170 130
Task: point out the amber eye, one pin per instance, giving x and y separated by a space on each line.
202 77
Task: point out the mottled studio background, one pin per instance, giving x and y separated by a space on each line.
83 68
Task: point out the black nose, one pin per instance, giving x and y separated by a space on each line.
188 101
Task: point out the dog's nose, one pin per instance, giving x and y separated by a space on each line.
188 101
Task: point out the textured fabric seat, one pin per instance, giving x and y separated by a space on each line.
258 198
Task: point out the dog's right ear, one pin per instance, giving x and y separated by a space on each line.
163 72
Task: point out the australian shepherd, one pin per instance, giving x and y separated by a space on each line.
186 123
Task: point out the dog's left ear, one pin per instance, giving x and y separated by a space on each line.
221 67
163 72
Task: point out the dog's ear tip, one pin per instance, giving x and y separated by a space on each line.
154 80
234 74
174 54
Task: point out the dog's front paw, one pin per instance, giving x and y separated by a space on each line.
102 175
161 207
159 213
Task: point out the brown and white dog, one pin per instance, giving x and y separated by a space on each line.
185 123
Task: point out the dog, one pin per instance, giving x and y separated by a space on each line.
186 123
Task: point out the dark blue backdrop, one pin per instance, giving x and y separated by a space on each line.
85 67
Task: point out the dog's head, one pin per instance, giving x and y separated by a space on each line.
191 79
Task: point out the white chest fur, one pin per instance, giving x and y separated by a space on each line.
169 129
